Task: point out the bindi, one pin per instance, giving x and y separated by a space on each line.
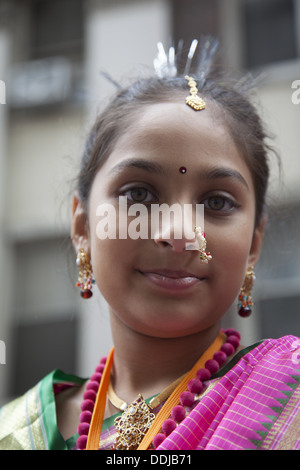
182 170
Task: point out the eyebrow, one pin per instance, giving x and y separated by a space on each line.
150 167
156 168
223 172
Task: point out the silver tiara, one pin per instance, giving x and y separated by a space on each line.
168 64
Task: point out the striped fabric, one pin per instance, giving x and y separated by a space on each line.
29 422
255 405
252 403
22 424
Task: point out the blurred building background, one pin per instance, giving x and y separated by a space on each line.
52 53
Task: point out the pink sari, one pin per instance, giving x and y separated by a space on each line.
252 403
255 405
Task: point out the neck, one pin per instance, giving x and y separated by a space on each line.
146 365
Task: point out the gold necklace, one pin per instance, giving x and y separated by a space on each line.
154 402
94 433
137 417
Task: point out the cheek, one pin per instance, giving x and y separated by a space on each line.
230 255
107 269
106 256
234 249
111 260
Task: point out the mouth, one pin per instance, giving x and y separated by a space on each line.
172 280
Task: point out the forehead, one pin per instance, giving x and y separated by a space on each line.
169 121
176 132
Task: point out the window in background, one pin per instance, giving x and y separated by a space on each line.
45 312
277 294
195 18
40 347
270 31
279 316
57 28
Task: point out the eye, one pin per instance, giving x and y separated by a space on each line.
219 203
139 195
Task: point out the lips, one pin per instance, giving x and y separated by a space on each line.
172 280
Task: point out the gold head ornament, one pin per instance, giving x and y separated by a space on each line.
193 100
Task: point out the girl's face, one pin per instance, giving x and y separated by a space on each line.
155 286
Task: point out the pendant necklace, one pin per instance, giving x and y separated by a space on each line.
138 427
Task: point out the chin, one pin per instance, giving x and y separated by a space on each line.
174 329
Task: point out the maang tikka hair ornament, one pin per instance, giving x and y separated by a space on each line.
200 237
85 274
245 301
198 63
193 100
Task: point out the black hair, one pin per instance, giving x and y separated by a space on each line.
232 100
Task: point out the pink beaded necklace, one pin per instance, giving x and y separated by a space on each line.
154 436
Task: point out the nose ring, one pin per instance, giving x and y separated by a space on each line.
200 237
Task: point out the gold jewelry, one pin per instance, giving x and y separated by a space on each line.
193 100
154 402
85 274
100 403
245 301
200 236
133 425
137 417
115 400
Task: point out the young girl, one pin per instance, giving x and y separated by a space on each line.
173 380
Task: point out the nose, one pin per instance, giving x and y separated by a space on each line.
174 231
168 240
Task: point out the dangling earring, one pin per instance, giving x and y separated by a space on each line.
245 300
85 275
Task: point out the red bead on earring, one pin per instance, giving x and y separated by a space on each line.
85 275
245 301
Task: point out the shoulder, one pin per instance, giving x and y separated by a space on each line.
285 347
18 422
273 357
29 422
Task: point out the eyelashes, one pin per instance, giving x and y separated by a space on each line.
220 203
139 195
217 203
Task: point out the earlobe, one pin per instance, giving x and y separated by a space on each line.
79 225
257 241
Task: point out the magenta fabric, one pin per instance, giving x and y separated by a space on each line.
255 405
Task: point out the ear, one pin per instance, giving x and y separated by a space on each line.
79 226
257 241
